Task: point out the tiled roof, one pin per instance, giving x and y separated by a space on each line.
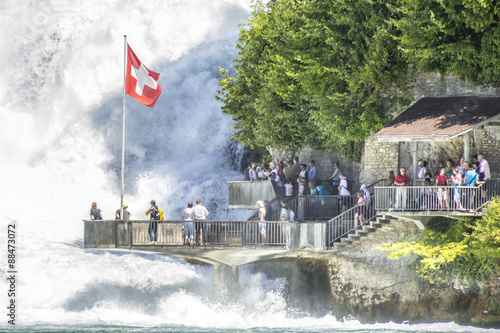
446 117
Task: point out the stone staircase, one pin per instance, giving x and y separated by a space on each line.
355 237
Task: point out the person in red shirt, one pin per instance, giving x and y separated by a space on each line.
442 192
401 180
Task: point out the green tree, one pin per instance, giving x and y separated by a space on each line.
322 73
468 248
460 37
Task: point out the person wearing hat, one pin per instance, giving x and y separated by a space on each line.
126 214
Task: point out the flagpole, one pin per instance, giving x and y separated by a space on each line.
123 125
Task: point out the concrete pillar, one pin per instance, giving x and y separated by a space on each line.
467 146
225 283
414 165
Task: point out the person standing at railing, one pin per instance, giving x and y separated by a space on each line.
95 213
457 181
401 181
484 167
200 214
442 192
470 180
126 214
344 192
187 216
262 220
253 172
261 172
335 179
153 226
305 178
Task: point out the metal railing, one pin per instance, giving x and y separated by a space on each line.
320 207
324 207
346 222
224 233
435 198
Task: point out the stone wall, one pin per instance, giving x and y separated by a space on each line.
487 143
434 85
381 157
378 159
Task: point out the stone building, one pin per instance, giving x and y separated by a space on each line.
435 129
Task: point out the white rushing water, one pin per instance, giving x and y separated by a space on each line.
60 145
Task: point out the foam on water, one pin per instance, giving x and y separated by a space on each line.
60 145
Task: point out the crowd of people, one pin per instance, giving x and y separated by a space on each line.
300 180
439 195
195 225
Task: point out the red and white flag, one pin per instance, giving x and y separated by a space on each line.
140 82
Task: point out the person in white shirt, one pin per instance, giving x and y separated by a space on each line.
422 169
200 213
343 191
484 167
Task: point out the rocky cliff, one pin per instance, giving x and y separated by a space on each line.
361 282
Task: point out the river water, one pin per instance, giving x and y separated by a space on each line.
61 106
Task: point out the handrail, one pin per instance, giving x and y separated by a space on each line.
343 224
255 216
436 198
225 233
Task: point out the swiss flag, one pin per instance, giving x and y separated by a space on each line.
140 82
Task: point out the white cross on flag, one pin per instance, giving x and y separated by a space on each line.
140 82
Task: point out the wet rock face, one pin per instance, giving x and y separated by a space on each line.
372 288
363 283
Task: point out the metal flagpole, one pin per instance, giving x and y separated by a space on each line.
123 125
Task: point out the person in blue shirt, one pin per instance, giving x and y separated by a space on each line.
313 173
470 180
153 226
470 175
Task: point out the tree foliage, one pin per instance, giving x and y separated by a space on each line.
320 73
461 37
327 73
468 248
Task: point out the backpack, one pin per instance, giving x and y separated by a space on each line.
291 216
159 215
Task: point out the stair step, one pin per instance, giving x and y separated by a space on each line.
370 229
347 240
384 221
376 225
361 233
339 246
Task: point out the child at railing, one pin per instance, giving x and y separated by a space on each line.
457 181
